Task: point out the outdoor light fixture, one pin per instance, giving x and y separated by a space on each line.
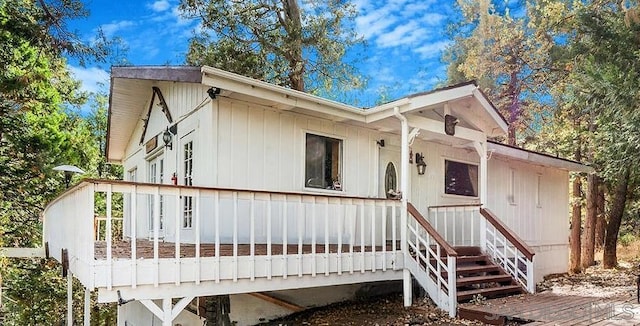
166 138
450 123
213 92
420 163
68 170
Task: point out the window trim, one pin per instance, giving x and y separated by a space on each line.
303 163
511 195
444 176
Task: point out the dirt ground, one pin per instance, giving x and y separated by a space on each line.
617 283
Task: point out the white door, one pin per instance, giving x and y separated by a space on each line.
185 177
389 171
156 175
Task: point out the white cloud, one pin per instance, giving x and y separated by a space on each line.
92 78
432 50
159 5
112 28
401 35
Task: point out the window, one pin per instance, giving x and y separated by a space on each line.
460 179
323 162
187 216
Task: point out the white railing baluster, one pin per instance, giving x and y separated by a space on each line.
384 236
362 235
134 237
216 218
108 239
252 237
156 236
285 240
235 236
197 230
394 231
352 239
300 217
326 238
314 261
340 215
178 226
373 236
269 267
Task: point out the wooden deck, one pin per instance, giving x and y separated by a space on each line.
144 249
550 309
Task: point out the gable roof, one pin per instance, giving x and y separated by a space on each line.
464 100
128 96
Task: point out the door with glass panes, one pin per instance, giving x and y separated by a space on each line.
156 175
186 178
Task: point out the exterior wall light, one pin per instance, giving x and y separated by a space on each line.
166 138
420 163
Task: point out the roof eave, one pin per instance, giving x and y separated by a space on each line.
538 158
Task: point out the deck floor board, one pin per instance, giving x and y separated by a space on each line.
550 309
144 249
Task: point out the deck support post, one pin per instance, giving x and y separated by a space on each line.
404 189
481 148
168 313
87 307
69 299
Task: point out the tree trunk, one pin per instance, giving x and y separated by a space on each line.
576 220
589 235
601 221
294 50
609 259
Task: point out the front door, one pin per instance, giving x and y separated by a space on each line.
156 175
389 172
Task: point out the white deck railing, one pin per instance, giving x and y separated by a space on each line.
472 225
509 251
459 225
433 261
266 234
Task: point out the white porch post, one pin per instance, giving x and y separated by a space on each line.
87 307
404 188
167 319
69 298
481 148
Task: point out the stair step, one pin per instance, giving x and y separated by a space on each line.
468 251
483 279
464 270
489 292
471 259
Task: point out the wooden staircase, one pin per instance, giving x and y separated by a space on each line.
478 275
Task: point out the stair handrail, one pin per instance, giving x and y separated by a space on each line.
508 233
526 279
429 265
413 211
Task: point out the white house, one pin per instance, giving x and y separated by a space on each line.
285 200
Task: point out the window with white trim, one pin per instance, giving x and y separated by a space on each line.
460 178
323 162
187 212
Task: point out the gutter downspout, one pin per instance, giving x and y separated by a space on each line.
404 189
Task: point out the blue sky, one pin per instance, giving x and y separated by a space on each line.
405 41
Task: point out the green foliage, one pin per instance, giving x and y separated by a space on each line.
38 132
626 239
301 47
